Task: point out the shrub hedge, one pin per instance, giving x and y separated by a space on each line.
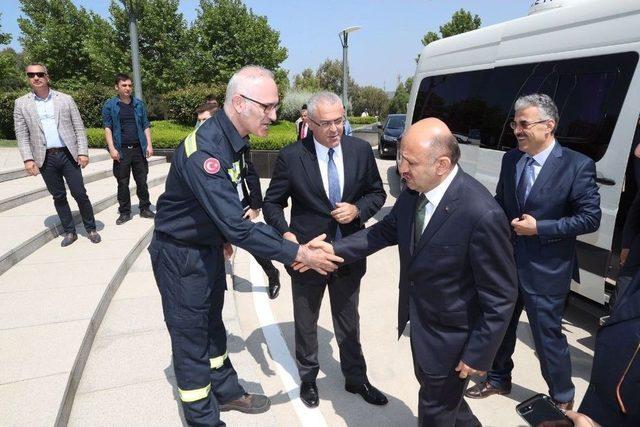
280 134
164 134
7 100
182 103
357 120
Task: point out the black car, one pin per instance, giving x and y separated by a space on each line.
389 133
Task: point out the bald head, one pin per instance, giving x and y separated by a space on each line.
429 153
433 136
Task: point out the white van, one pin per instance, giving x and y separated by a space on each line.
584 54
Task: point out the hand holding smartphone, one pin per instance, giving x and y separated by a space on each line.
540 411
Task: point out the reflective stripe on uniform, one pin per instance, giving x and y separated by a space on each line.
190 145
217 362
193 395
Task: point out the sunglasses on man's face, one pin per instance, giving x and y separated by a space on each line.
39 74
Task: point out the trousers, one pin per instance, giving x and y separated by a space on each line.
191 281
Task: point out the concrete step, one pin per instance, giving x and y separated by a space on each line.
24 190
31 225
129 378
13 168
51 304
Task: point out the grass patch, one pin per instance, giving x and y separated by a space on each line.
8 143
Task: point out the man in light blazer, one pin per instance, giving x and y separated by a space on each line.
52 141
550 195
335 187
457 273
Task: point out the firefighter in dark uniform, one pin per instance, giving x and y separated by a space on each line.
197 214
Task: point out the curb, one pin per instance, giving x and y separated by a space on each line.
80 362
20 252
39 193
21 173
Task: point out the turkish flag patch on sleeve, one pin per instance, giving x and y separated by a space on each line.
211 166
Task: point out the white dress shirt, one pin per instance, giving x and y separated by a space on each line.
435 196
322 153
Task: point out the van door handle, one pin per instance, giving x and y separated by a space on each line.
605 181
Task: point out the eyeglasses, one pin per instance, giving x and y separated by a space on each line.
39 74
267 107
523 124
326 125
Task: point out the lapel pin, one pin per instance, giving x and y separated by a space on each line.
446 209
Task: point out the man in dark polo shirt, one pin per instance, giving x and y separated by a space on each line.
126 129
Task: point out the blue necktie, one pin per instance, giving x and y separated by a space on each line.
526 182
334 186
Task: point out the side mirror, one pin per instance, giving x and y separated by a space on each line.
379 126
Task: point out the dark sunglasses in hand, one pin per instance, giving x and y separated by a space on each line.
39 74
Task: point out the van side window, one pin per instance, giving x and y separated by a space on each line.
478 105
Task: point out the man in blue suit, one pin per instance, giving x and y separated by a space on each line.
550 195
457 274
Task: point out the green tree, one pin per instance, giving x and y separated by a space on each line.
400 99
461 22
372 99
329 77
10 76
306 80
53 32
164 41
227 36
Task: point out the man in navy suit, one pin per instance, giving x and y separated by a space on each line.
550 195
335 187
457 273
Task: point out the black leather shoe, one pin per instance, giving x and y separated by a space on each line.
147 213
69 238
309 394
123 218
486 389
274 285
94 237
368 392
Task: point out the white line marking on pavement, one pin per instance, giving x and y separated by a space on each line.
285 365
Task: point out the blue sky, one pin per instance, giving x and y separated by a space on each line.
384 48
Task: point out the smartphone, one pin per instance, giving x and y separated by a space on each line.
540 411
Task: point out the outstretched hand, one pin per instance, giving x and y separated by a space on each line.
317 255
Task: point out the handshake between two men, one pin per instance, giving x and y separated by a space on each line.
318 254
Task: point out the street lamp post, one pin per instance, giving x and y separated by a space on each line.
133 10
344 40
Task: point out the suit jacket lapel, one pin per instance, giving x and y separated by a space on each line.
551 165
33 110
56 107
349 166
445 208
310 165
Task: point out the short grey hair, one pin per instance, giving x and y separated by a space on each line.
445 145
321 98
544 103
244 77
37 64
